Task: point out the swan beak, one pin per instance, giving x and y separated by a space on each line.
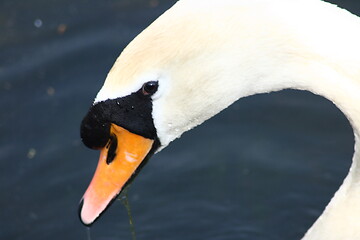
118 161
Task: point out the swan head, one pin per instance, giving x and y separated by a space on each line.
157 89
176 74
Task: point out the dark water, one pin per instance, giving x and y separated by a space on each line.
263 169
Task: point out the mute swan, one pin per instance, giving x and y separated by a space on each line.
201 56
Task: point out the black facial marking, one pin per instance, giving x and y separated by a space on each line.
95 130
132 112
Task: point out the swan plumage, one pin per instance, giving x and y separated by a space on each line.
206 54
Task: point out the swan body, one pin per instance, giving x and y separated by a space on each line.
206 54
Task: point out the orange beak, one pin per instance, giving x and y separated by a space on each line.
118 161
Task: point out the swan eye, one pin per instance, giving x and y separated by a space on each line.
149 88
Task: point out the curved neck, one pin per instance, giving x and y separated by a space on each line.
286 53
335 76
340 218
336 82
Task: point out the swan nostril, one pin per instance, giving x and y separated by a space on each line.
112 148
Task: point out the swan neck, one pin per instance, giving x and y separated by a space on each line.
338 220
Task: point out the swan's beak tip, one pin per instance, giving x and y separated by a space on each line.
81 204
83 218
